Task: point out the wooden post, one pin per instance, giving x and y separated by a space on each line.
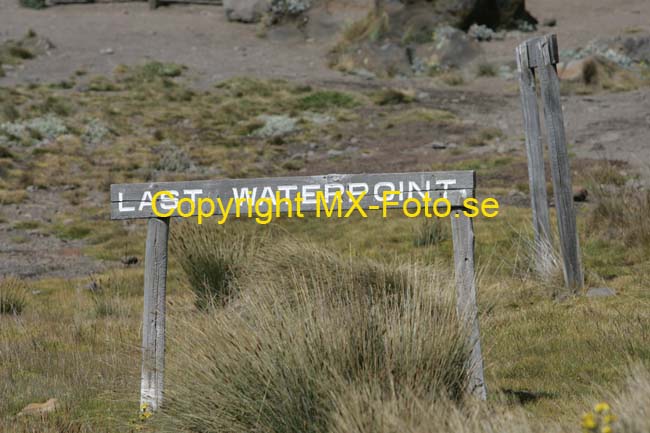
153 330
536 175
547 58
462 229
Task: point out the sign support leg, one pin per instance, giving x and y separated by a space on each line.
462 229
153 330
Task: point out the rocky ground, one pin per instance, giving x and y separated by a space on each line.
96 38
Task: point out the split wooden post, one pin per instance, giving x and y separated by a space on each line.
542 56
153 325
535 152
462 229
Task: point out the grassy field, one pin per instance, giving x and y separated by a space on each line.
317 326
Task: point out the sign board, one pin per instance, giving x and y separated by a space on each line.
365 191
129 201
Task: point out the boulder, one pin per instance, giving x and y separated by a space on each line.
245 11
454 48
492 13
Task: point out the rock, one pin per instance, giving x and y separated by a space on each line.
494 14
438 146
637 48
245 11
550 22
334 153
129 260
584 70
451 48
107 51
580 195
276 126
33 409
600 292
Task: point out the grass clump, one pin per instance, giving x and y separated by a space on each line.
422 115
279 359
621 213
156 69
486 69
326 99
430 232
33 4
484 137
213 257
394 97
13 296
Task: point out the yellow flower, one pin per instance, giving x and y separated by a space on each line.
609 418
601 407
606 429
588 421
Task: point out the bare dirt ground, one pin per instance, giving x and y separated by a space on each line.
605 125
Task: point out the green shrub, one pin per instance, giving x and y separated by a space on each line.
33 4
326 99
213 257
13 296
296 341
20 52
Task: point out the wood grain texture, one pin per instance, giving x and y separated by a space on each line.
129 201
560 168
535 154
466 304
153 326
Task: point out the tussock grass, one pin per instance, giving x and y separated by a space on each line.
296 340
13 296
621 213
213 257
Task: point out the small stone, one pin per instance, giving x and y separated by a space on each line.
334 152
600 292
550 22
107 51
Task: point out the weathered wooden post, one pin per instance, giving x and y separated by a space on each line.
542 57
535 152
153 321
462 229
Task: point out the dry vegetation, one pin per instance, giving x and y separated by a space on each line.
311 326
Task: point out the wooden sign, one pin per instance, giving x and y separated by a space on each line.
135 200
365 191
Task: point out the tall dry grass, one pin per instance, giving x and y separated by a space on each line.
280 357
212 257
